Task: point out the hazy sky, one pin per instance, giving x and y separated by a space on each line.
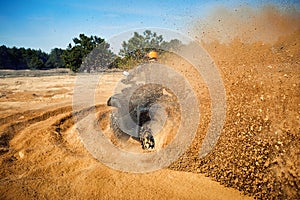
45 24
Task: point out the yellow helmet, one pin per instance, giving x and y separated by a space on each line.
152 55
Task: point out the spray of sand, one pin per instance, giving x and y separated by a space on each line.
265 24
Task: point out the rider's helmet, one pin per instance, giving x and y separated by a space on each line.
152 55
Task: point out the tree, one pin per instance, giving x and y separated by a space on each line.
18 59
36 59
36 63
138 45
55 59
21 58
134 50
98 59
172 45
5 61
74 56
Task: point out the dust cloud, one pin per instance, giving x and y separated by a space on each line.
265 24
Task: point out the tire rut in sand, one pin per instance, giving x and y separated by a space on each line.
10 130
63 132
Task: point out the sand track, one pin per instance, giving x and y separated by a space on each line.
43 157
41 154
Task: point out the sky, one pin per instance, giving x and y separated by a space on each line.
46 24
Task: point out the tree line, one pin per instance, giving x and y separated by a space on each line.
87 53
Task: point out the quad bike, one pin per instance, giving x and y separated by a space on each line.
133 105
133 112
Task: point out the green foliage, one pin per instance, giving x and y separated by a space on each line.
37 59
72 58
125 63
76 55
173 45
98 59
6 61
55 59
133 51
35 63
21 58
88 54
139 45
